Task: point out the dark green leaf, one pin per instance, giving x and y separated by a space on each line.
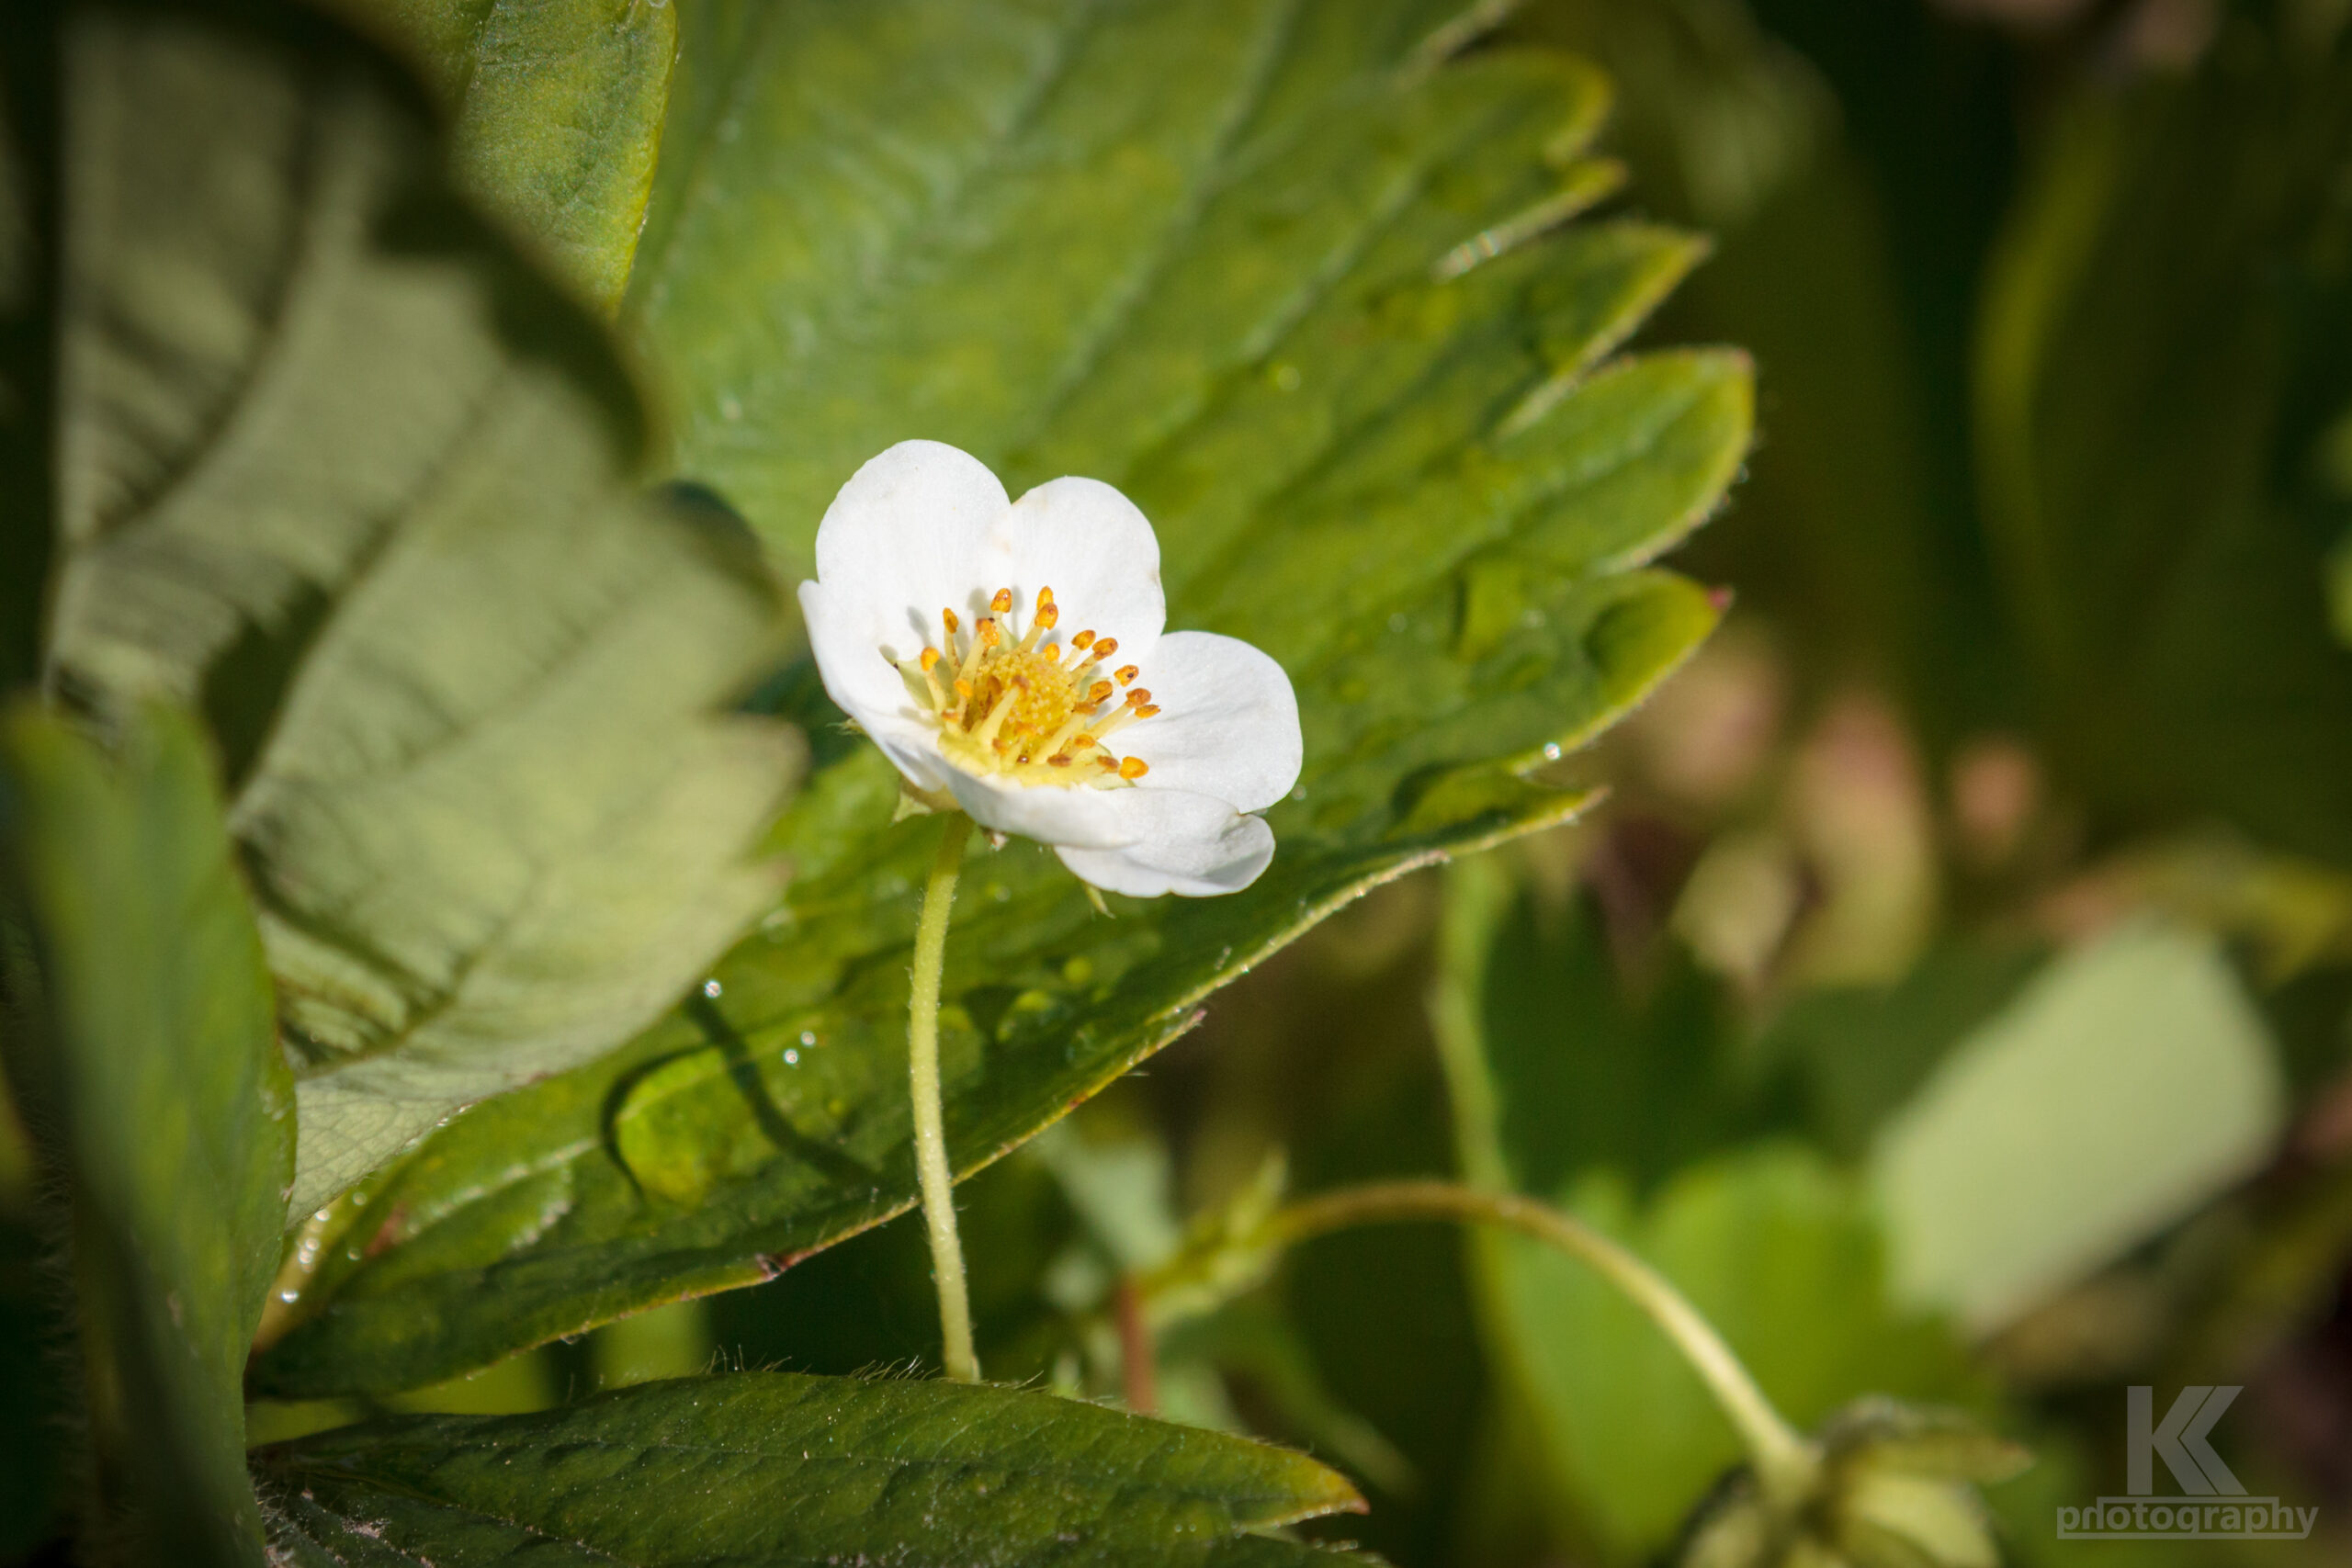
1852 188
338 470
556 114
1595 1068
141 1027
1306 292
770 1467
2167 340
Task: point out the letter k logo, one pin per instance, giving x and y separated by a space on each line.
2181 1439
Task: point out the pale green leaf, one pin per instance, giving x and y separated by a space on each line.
337 469
2124 1087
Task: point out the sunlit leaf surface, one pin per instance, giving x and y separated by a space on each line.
555 115
1323 319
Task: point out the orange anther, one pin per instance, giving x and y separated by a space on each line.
1082 641
1097 692
1127 673
1059 760
1048 616
1133 768
1044 598
987 630
1137 697
1108 764
930 659
1107 647
1002 602
963 687
1146 710
954 625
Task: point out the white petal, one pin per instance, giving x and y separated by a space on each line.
1088 543
856 674
1226 861
912 746
1227 725
901 542
1090 819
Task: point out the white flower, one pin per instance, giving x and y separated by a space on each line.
1008 657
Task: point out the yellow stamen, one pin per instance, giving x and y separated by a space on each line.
1133 768
1016 707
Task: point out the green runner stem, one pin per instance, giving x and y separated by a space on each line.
1785 1461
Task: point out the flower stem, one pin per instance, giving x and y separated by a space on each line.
930 1129
1785 1461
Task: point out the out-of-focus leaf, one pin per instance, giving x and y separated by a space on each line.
556 114
337 469
1778 1251
1326 320
773 1467
1852 182
2126 1085
141 1029
1593 1067
1781 1255
1360 1099
2167 337
1860 1052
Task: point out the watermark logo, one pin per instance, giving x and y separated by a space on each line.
2212 1506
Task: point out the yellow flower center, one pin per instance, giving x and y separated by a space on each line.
1029 710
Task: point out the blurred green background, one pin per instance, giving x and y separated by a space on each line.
1951 992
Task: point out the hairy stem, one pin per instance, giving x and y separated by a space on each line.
1784 1461
930 1129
